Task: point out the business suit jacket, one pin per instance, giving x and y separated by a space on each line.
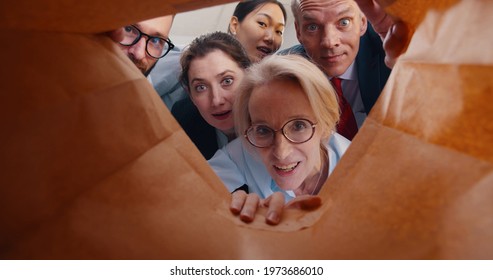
202 134
370 66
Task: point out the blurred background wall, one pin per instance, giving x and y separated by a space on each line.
191 24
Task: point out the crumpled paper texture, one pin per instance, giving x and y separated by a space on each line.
93 166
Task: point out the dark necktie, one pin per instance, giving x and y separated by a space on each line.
347 126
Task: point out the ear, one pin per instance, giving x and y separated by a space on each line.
364 25
297 27
233 25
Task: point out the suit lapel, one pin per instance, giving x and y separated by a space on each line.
371 69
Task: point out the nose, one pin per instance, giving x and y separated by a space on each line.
331 37
269 35
281 148
138 50
217 97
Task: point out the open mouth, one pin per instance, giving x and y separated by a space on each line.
287 168
265 50
222 115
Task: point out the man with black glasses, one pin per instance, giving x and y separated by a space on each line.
146 42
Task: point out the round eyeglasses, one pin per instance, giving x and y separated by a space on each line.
156 47
296 131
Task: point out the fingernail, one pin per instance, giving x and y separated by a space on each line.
273 218
235 208
246 216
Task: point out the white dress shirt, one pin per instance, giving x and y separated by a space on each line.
350 90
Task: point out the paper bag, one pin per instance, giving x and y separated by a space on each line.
93 166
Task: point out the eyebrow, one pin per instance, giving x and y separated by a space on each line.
295 117
218 75
153 34
346 11
270 18
225 72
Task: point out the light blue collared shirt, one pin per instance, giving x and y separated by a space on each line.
236 165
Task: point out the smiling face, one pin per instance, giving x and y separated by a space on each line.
293 166
330 31
214 80
260 32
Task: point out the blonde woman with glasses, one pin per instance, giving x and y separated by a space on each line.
286 112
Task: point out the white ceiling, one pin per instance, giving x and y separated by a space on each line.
189 25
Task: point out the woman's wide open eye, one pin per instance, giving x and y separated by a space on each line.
200 88
227 81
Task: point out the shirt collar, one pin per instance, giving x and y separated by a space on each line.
350 73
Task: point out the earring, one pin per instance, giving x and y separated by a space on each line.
234 32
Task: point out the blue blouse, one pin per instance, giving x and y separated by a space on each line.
236 165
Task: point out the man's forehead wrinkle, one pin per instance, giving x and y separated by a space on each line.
307 5
312 5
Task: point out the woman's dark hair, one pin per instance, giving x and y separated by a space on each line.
245 7
205 44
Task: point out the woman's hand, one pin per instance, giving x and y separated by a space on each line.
246 205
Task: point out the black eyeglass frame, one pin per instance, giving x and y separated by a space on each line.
168 41
312 125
